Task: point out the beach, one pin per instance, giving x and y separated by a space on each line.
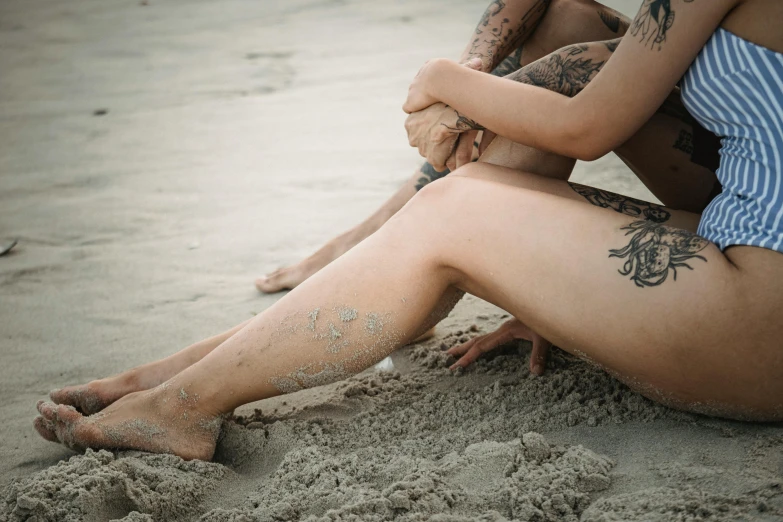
157 157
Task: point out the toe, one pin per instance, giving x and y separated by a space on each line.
45 429
48 410
65 413
58 396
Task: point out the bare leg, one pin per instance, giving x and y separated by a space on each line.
566 22
96 395
543 257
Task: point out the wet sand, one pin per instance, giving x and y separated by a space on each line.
156 158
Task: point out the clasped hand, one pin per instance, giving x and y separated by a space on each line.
435 128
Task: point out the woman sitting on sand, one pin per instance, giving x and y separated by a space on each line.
689 320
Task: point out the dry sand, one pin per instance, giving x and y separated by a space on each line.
155 158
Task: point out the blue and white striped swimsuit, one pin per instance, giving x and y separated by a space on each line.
734 88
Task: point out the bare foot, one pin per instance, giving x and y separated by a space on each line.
94 396
292 276
160 420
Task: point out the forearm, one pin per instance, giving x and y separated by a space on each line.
503 27
566 71
522 113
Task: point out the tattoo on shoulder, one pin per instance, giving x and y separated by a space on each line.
624 205
653 21
656 250
610 20
428 175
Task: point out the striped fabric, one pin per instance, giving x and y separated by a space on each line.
734 88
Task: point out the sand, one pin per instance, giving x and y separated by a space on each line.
156 158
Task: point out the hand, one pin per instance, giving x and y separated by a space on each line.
419 92
419 96
464 151
433 131
508 331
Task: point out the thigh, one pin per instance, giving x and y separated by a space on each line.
656 305
600 198
660 154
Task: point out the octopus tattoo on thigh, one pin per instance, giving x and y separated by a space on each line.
655 250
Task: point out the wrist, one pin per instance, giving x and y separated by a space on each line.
438 69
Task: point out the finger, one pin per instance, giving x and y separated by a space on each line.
464 150
486 139
451 163
480 345
474 63
470 357
539 355
460 349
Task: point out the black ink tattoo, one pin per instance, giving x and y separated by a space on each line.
489 13
491 44
655 250
513 62
463 124
653 21
612 44
610 20
684 142
564 72
428 175
629 206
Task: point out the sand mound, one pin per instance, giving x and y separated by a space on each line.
523 479
102 486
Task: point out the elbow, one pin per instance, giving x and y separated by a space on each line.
586 143
585 137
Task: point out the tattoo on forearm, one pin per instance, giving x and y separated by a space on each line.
653 21
565 71
428 175
491 44
463 124
610 20
629 206
655 250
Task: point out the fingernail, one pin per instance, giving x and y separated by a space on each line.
538 369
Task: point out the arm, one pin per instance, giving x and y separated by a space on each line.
647 64
566 71
502 28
